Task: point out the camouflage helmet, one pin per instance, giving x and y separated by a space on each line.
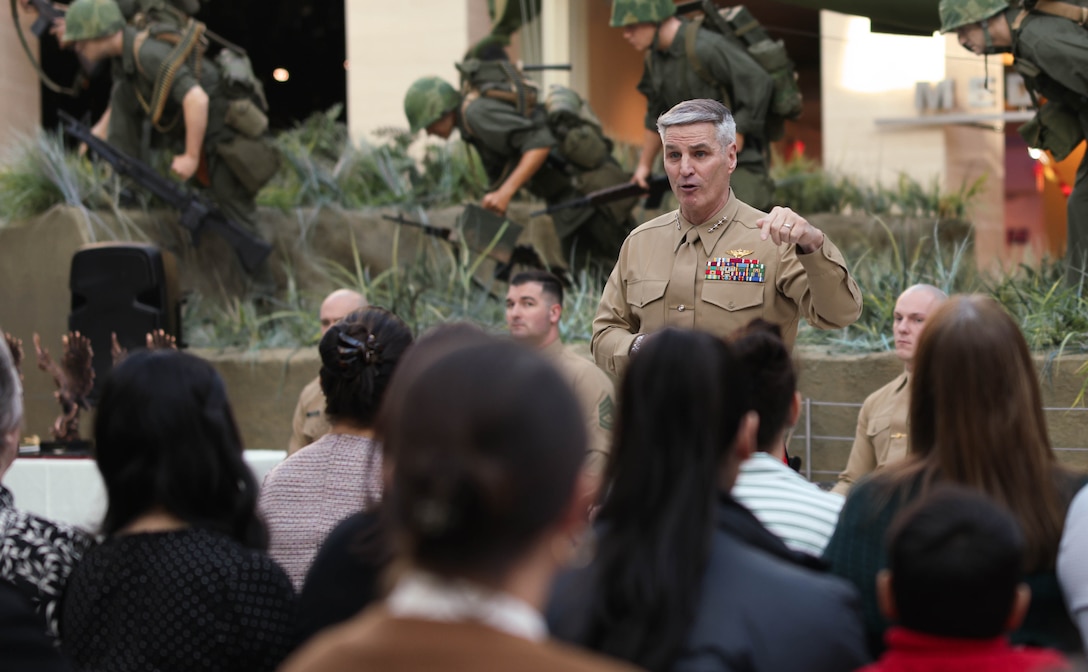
958 13
92 19
427 100
629 12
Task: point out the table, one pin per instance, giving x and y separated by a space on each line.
70 489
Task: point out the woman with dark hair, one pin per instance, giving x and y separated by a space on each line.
484 504
347 573
791 506
180 582
976 420
310 492
679 581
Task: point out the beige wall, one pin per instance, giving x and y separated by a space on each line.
867 77
20 101
391 44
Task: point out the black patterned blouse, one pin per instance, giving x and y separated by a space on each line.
184 600
37 555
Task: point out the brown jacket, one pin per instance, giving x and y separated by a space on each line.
375 640
646 292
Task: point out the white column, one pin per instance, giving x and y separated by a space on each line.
20 97
555 31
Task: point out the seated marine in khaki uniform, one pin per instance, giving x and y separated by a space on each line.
717 263
309 422
881 436
534 306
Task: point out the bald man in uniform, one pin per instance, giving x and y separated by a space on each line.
881 436
309 422
534 305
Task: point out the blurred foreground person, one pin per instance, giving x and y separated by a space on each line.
680 580
305 496
976 420
953 588
180 583
36 555
485 501
791 506
347 574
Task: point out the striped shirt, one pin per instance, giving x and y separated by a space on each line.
795 509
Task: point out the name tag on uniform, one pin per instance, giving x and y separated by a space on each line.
735 269
312 414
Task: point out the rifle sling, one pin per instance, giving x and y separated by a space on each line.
73 90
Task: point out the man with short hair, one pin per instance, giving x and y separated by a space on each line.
717 263
309 423
881 436
534 305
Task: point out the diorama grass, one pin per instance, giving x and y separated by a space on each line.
323 168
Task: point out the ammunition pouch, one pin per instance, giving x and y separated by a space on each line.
772 56
1054 128
253 161
584 147
244 116
608 175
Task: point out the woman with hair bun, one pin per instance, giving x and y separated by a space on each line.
310 492
485 501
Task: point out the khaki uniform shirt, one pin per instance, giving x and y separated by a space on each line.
309 423
881 436
659 281
594 391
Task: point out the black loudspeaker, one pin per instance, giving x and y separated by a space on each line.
128 289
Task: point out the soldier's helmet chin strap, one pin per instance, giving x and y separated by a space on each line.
988 46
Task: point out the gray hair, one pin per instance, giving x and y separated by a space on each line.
11 391
700 111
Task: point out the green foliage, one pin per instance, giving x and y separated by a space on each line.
804 186
324 168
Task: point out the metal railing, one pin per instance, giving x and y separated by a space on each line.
807 408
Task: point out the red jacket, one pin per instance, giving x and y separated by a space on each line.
912 651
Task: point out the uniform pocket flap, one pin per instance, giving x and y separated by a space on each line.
878 425
733 296
642 292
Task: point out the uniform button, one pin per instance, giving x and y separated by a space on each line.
732 305
680 308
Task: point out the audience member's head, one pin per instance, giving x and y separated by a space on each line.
955 560
772 382
166 440
534 304
683 430
337 305
976 417
11 407
912 309
358 356
488 455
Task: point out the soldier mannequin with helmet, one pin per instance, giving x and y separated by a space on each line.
1050 46
741 84
173 88
518 150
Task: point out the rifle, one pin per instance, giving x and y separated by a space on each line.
659 184
436 231
197 214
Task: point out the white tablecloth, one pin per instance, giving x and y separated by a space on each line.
70 490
